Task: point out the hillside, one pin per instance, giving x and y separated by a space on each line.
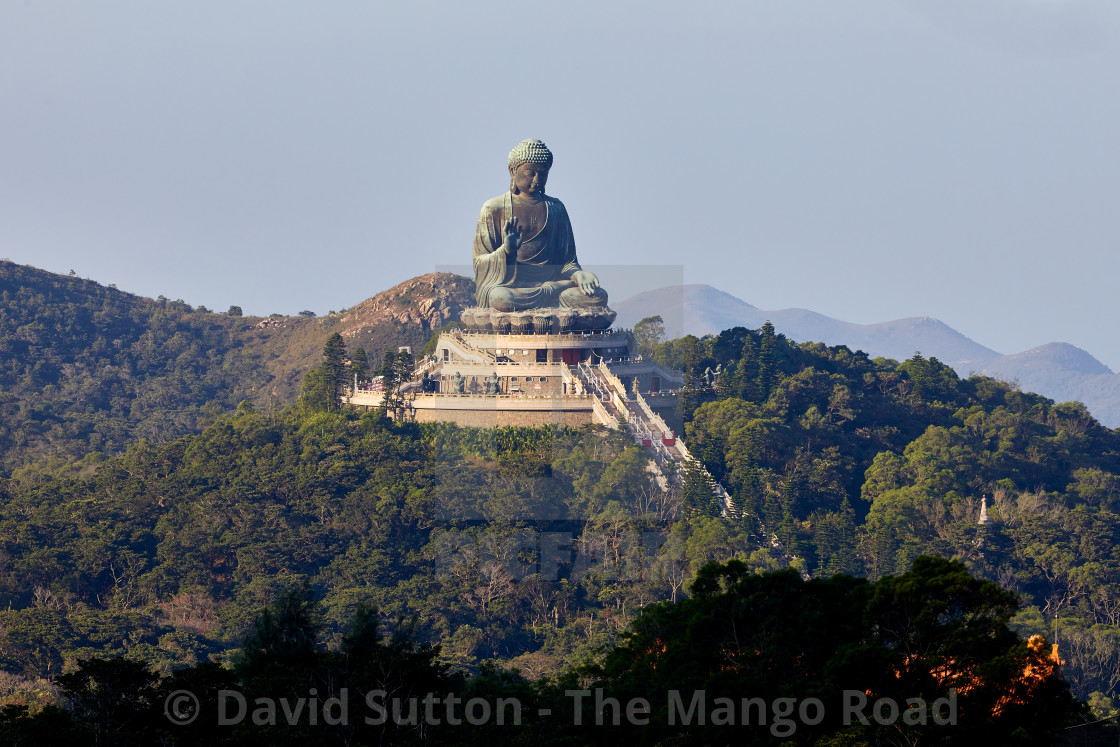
1059 371
406 314
89 368
428 301
536 546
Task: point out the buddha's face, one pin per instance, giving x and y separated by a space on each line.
529 179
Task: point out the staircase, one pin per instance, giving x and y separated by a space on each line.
607 409
667 451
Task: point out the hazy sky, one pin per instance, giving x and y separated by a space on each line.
868 160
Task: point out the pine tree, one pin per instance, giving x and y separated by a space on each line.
690 397
726 383
388 374
767 364
787 530
316 393
847 561
748 503
698 490
790 494
735 508
745 381
323 385
396 370
918 369
334 362
772 518
359 364
404 365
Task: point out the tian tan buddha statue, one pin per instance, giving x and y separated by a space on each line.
524 251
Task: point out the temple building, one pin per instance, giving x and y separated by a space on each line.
487 378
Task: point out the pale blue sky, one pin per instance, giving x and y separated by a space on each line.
867 160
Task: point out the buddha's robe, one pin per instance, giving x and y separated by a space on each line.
539 275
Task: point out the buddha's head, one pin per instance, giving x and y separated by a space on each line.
529 163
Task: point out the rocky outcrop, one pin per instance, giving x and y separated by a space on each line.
430 300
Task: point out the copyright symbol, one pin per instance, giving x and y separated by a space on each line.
181 707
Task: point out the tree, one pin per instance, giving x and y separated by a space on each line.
648 334
728 344
767 363
359 364
234 311
282 642
395 664
316 393
921 635
322 386
113 699
396 370
745 374
334 362
698 492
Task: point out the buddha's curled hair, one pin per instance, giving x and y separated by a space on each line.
530 151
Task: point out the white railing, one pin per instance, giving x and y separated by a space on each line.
611 379
605 417
588 376
645 408
469 352
479 396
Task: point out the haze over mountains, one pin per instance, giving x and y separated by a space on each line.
1057 370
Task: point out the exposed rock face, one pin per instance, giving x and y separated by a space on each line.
430 300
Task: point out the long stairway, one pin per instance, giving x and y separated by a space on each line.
646 426
607 409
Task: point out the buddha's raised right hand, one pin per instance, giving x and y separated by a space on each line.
512 231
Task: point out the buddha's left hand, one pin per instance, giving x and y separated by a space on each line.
586 281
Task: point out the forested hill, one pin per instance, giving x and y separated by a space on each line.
844 464
88 368
534 546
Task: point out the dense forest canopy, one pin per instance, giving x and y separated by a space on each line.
926 657
536 549
532 546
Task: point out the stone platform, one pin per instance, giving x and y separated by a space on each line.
495 379
536 321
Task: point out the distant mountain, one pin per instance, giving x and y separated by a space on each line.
702 309
1041 361
687 309
1063 373
1059 371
